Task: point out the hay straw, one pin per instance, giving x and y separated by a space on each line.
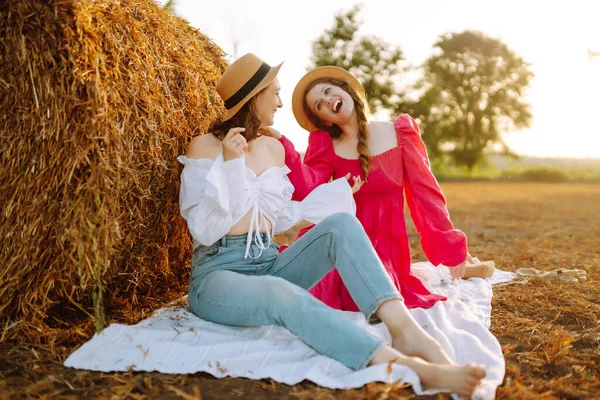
534 322
98 99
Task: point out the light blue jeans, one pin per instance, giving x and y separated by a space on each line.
272 289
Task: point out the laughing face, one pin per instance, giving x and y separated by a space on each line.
330 103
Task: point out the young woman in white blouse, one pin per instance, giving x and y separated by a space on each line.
235 195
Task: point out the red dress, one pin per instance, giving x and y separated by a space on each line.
399 173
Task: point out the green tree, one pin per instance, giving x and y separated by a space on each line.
471 92
170 6
373 61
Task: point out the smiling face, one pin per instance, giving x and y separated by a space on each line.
266 104
330 103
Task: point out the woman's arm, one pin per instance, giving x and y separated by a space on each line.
327 199
316 168
441 242
213 191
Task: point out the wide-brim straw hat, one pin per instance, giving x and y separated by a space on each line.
328 71
244 79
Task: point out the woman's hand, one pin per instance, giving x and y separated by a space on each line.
358 182
234 144
469 259
269 131
458 272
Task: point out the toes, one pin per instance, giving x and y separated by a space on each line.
471 384
480 372
477 371
473 381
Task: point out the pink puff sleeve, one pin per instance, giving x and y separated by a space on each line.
441 242
317 167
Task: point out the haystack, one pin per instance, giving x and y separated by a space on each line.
97 99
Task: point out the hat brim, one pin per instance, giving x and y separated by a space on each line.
312 75
267 80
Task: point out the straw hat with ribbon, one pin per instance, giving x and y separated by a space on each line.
318 73
242 80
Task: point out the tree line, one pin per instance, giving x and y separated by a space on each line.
469 92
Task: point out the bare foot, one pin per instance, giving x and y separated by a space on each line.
459 379
483 269
416 342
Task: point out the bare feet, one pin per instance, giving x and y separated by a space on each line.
459 379
483 269
408 337
416 342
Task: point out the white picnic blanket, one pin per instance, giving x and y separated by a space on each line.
175 341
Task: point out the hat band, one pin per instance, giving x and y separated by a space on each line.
248 86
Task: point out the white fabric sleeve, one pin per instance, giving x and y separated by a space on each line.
323 201
229 178
205 197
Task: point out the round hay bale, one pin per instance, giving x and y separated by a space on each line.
98 98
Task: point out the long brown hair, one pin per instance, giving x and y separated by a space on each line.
244 118
335 131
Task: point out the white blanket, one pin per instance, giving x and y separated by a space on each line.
173 340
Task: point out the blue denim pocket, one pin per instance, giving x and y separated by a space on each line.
204 255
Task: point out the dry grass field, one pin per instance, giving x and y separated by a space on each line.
549 331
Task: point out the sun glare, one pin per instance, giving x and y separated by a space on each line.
560 41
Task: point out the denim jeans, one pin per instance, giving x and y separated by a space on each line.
271 289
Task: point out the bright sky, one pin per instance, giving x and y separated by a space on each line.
553 36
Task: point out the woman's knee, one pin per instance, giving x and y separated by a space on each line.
341 221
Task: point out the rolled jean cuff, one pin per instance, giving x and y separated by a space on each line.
370 315
370 354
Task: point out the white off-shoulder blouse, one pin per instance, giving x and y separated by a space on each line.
215 195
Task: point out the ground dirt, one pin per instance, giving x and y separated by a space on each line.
549 331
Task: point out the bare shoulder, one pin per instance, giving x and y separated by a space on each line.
275 148
382 128
204 146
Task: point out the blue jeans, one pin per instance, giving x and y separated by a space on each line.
272 289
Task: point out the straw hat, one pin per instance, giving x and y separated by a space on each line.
242 80
318 73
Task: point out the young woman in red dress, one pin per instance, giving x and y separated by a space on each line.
391 160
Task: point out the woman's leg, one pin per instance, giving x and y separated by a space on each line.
234 299
340 242
408 336
459 379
